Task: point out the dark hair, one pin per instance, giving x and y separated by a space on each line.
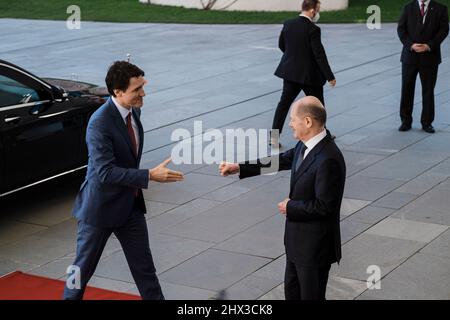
119 75
309 4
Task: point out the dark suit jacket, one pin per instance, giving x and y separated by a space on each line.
411 30
304 59
312 234
107 196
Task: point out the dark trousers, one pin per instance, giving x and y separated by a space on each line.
133 237
301 283
428 77
290 91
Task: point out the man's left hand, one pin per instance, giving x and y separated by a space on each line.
282 206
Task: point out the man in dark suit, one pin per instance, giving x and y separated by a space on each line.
422 28
312 233
110 199
304 65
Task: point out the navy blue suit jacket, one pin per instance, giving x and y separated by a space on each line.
312 234
107 196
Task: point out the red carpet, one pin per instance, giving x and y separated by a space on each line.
22 286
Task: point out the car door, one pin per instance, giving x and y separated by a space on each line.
40 135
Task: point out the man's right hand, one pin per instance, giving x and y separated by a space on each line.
162 174
227 168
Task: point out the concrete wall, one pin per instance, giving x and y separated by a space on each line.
254 5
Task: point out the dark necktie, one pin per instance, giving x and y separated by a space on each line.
300 157
131 134
422 9
133 142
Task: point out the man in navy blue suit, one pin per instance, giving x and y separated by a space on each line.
110 199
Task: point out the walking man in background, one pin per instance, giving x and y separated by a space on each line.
304 65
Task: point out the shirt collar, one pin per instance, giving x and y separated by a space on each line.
427 2
123 111
302 15
311 143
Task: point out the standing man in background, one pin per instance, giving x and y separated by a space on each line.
110 199
422 28
304 65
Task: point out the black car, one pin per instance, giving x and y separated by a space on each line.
42 126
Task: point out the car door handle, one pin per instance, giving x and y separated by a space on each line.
12 119
53 114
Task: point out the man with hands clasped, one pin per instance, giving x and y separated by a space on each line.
312 210
422 28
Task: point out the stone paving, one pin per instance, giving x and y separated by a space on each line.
220 237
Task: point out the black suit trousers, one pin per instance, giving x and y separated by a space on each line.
302 283
290 91
428 77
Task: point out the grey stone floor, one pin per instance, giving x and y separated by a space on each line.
209 233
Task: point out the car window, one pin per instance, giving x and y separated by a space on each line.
13 92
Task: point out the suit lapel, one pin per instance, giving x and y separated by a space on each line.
430 11
309 160
120 124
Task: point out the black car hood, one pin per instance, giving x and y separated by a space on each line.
77 86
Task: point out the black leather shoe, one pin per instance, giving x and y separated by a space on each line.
428 129
404 127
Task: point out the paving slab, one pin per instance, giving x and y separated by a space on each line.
431 207
394 200
369 188
410 282
265 239
250 288
440 246
214 270
366 250
370 215
407 230
350 206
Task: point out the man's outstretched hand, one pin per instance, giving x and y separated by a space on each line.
162 174
227 168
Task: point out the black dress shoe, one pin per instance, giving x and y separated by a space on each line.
428 129
404 127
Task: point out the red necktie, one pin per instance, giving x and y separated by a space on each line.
133 142
422 9
131 134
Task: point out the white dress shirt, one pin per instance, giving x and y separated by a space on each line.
311 143
124 113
